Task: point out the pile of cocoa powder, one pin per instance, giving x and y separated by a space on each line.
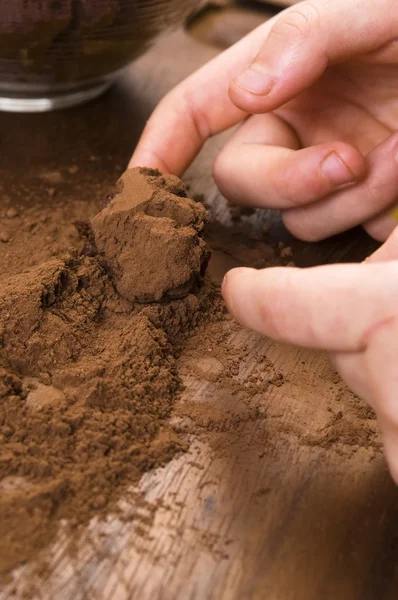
88 375
95 343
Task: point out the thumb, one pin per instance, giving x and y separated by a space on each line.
304 41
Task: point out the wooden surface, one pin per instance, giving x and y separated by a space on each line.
269 518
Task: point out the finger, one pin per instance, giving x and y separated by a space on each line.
335 307
381 364
355 204
303 41
262 167
196 109
388 251
383 225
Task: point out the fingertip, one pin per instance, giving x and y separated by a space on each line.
254 80
235 278
353 159
341 164
260 299
148 159
342 167
249 103
235 288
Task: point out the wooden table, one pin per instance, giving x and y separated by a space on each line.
277 521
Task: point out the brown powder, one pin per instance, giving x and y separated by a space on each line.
241 413
89 381
87 385
151 239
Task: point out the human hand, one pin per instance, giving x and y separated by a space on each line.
321 146
350 310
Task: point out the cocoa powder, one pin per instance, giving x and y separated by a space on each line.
151 240
88 381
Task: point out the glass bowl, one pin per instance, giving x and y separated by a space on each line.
59 53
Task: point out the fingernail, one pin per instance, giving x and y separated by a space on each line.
255 80
336 171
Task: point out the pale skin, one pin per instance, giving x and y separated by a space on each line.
315 91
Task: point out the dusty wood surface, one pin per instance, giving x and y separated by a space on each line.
265 516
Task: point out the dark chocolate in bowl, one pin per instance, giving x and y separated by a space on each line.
57 48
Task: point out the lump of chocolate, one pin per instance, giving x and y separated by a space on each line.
151 237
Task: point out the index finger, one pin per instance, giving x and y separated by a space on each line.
196 109
334 307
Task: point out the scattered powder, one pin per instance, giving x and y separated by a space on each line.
245 411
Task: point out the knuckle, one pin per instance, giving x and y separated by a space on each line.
299 20
188 103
